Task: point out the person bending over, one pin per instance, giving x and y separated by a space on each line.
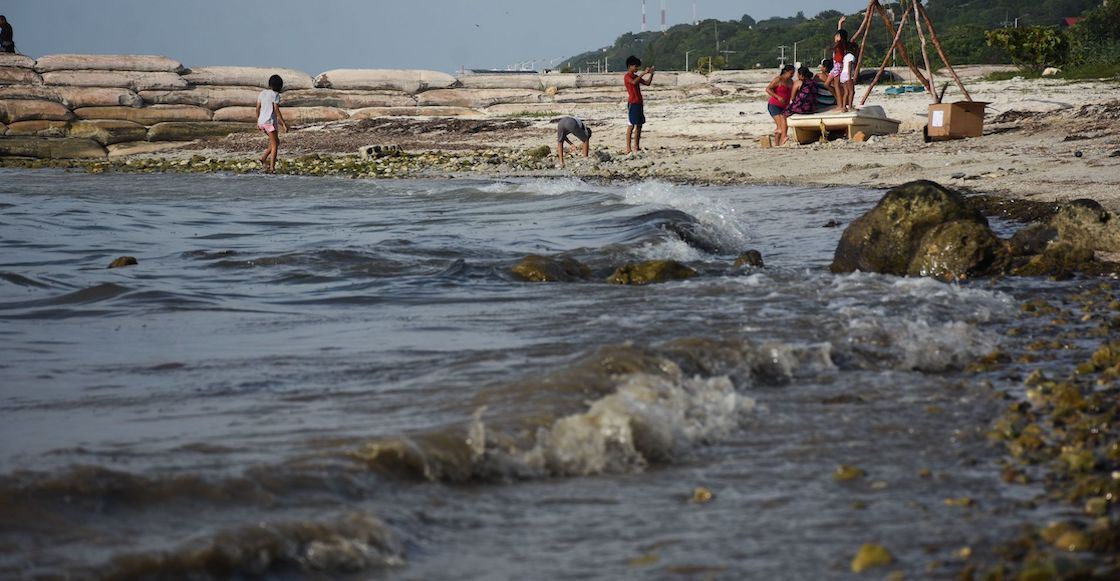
572 126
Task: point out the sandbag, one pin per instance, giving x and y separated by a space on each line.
74 97
146 115
292 115
3 129
179 131
12 59
373 112
346 99
247 77
19 76
592 96
120 79
477 98
210 97
39 128
502 81
141 147
108 131
50 148
559 80
14 110
602 80
78 97
408 81
743 77
108 62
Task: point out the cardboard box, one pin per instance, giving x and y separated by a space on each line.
956 120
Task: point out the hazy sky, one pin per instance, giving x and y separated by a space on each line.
316 35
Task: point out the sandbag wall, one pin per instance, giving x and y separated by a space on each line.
89 106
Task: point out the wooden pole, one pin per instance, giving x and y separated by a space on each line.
887 56
866 28
925 51
945 59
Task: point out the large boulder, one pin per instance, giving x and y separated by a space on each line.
1086 224
190 131
210 97
19 76
12 59
50 148
346 99
247 77
477 98
651 271
146 115
108 62
109 131
887 238
40 128
121 79
408 81
15 110
534 268
292 115
957 250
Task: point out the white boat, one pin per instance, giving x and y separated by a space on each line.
870 120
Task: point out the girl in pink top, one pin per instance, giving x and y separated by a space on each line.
780 90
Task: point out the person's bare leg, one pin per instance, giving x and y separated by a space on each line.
638 138
629 137
274 150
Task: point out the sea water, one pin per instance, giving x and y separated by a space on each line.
342 378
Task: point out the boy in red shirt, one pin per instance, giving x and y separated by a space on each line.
634 83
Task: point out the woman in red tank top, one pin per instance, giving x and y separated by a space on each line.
780 90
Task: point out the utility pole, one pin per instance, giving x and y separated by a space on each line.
726 60
782 56
643 15
686 53
664 20
694 20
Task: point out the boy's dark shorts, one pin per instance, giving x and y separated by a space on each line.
637 114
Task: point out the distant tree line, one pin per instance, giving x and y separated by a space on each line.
747 44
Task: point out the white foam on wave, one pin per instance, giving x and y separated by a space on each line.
647 418
669 250
919 323
539 186
720 221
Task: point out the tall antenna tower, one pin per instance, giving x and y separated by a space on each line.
644 28
664 27
694 19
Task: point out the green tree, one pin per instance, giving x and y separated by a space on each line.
1032 47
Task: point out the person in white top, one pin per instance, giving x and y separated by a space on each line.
848 78
271 120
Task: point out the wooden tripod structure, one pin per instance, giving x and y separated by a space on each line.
921 18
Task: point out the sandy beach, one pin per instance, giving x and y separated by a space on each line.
1047 140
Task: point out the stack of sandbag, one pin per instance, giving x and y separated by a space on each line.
231 94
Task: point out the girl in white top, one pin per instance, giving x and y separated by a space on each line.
848 78
270 120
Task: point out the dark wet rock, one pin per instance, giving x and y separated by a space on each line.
536 268
960 249
652 271
833 224
1060 259
603 156
750 258
1032 240
691 233
886 239
539 153
1087 224
123 261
